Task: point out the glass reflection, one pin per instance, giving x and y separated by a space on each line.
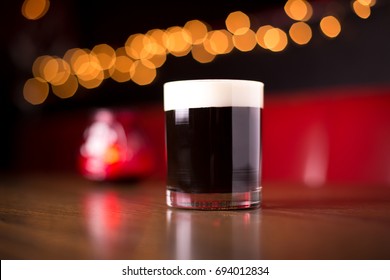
213 235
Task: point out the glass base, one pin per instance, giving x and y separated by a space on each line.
214 201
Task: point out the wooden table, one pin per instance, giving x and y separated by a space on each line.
68 217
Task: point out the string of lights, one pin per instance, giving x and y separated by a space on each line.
139 59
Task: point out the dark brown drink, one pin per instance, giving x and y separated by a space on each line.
213 141
209 150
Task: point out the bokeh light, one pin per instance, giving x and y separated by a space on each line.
197 31
142 54
67 89
300 33
93 81
120 72
62 74
50 69
330 26
79 61
361 10
260 33
142 72
105 55
367 2
219 42
35 91
135 46
38 65
298 10
200 54
237 23
275 39
35 9
91 69
177 41
158 60
156 41
245 42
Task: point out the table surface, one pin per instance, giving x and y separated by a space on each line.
68 217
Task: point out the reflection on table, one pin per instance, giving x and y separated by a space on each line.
61 217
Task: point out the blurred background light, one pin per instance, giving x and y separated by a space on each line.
62 73
135 46
237 23
105 55
200 54
91 66
177 41
197 31
300 33
158 60
298 9
35 9
143 72
260 35
35 91
367 2
66 89
120 71
362 8
275 39
157 38
330 26
219 42
245 42
91 81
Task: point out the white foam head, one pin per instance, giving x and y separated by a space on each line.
213 93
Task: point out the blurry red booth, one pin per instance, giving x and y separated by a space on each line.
328 136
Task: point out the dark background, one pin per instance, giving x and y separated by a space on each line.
359 56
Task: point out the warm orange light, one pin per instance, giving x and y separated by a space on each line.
245 42
68 57
78 61
120 72
152 47
89 82
50 69
136 46
275 39
330 26
62 74
142 72
35 9
67 89
367 2
156 42
197 31
219 42
300 33
298 9
90 69
158 60
260 35
200 54
361 10
105 54
35 91
237 23
39 65
177 40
